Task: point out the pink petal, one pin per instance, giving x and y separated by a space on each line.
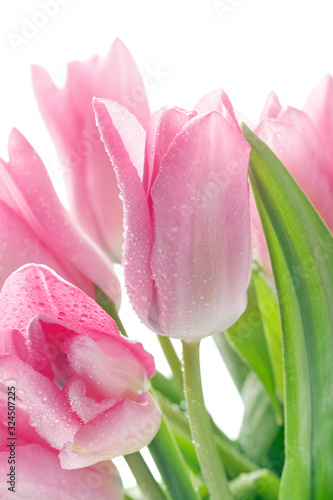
295 152
272 107
90 180
319 108
12 342
218 101
39 476
124 141
125 428
21 245
103 194
42 294
25 433
50 412
115 76
37 202
107 367
72 143
87 408
163 127
201 253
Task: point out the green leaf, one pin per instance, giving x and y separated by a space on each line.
171 464
259 428
270 316
247 336
236 367
301 252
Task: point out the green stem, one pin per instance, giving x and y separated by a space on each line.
146 481
201 427
171 465
172 359
233 459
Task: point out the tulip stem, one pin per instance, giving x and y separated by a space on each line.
201 427
172 359
146 481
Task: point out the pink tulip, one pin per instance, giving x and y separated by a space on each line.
81 382
90 180
187 255
302 140
35 227
38 474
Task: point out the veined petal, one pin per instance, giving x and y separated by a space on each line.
201 253
124 140
125 428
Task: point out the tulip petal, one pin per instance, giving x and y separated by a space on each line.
87 408
163 127
21 245
319 108
73 145
107 367
50 221
124 140
115 76
295 152
201 253
125 428
50 412
272 107
25 433
42 294
12 342
218 101
40 477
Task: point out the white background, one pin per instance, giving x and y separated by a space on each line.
248 47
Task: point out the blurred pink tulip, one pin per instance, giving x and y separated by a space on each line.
39 476
302 140
90 180
36 228
187 254
81 382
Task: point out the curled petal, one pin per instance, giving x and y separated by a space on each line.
53 301
125 428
